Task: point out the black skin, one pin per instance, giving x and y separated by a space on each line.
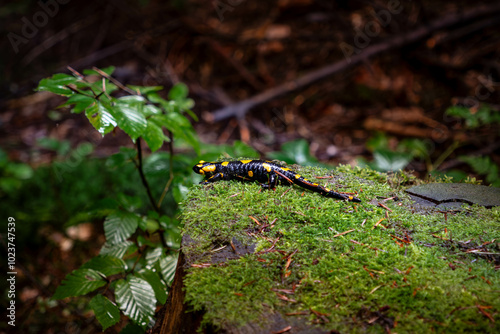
266 173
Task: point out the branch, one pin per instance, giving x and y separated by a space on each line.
143 177
241 108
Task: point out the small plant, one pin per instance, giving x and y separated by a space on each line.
296 152
12 174
386 159
135 266
476 117
399 156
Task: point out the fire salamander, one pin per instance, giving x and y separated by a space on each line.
266 173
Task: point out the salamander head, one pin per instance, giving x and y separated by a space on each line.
204 167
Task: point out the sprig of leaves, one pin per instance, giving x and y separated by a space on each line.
144 114
133 270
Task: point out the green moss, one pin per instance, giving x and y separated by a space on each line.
361 281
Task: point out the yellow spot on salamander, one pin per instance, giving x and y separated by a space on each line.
245 161
250 173
225 163
327 189
315 184
350 198
285 168
297 176
209 168
266 167
201 162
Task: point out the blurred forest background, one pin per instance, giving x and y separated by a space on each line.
411 85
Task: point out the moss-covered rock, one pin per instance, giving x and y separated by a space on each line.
261 261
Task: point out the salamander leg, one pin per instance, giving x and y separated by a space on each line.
273 179
213 178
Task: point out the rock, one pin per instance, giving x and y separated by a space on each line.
454 195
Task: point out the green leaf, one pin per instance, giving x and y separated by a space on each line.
385 160
79 282
483 166
153 136
130 203
168 265
106 264
19 171
157 165
178 92
145 90
415 147
57 84
105 311
119 226
132 100
117 250
119 159
136 299
153 256
296 151
130 118
154 280
378 141
180 192
151 109
191 138
181 128
156 98
101 118
62 147
175 121
80 101
243 150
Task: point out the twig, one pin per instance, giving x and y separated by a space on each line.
241 108
143 177
116 82
171 171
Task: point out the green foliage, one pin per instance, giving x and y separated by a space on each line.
106 312
12 174
386 159
135 264
136 299
80 282
484 166
407 150
143 113
484 115
296 152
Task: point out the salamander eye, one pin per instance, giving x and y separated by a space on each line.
198 170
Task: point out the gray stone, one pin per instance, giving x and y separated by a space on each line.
453 195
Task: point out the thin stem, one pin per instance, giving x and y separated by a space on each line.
116 82
171 172
445 155
143 177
